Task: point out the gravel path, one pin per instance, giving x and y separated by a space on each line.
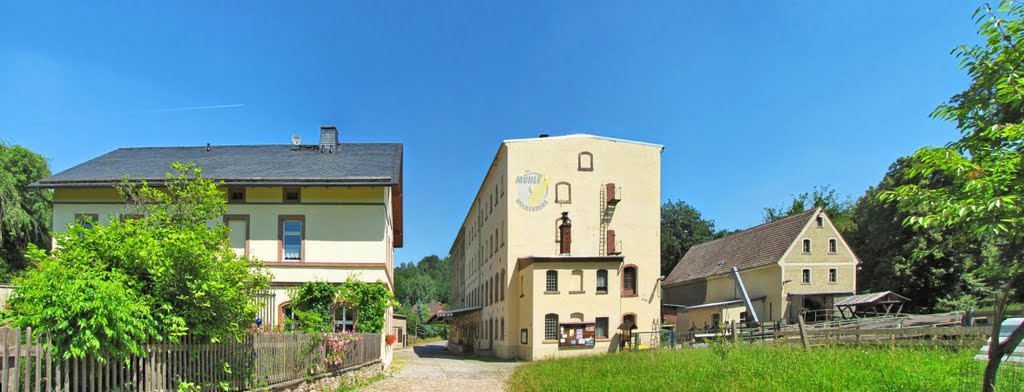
432 368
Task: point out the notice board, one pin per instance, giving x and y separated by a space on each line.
576 335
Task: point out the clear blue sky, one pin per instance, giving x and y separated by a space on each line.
754 101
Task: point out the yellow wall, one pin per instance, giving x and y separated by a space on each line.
633 167
343 225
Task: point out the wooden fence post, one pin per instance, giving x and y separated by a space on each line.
732 328
803 334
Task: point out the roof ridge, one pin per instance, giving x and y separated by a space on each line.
251 145
758 227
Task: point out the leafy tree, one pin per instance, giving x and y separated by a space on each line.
938 268
682 227
160 276
24 212
837 208
428 280
985 164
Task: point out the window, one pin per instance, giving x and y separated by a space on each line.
577 317
601 328
551 327
716 319
524 336
502 329
344 319
832 245
552 282
629 281
577 282
602 281
807 246
236 195
833 275
585 161
502 286
87 220
563 193
292 195
291 236
820 221
238 234
805 276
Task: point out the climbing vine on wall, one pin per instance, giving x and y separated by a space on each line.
312 303
372 301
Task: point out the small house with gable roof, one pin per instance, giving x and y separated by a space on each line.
796 265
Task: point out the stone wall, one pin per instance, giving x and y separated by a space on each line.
338 379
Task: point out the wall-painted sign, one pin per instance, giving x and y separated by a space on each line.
532 189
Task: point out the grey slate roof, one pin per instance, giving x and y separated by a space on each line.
350 164
755 247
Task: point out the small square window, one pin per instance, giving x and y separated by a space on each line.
805 276
236 195
292 195
807 246
833 275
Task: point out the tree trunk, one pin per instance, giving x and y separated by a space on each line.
997 349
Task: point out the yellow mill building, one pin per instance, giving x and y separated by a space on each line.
559 252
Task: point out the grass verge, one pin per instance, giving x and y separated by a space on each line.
755 367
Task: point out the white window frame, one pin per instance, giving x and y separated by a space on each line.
833 246
833 275
805 273
806 246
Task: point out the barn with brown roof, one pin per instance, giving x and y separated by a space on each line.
796 265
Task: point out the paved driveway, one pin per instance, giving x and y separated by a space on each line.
431 368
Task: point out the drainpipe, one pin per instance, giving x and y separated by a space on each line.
746 298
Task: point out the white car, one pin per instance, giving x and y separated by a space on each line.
1004 333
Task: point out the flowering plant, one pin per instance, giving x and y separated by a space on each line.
336 346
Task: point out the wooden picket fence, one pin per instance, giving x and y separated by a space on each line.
261 360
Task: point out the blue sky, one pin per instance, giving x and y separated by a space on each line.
754 101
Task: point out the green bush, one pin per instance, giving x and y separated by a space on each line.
168 273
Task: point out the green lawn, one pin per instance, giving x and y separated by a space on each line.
755 368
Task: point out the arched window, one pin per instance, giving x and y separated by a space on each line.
563 193
502 287
585 161
602 281
578 317
577 282
551 284
284 312
551 326
629 281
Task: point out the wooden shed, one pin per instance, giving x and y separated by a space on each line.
880 304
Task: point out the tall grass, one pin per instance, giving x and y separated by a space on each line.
754 368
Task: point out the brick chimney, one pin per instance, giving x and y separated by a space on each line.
328 138
565 235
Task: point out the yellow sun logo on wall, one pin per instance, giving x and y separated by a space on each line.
532 189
